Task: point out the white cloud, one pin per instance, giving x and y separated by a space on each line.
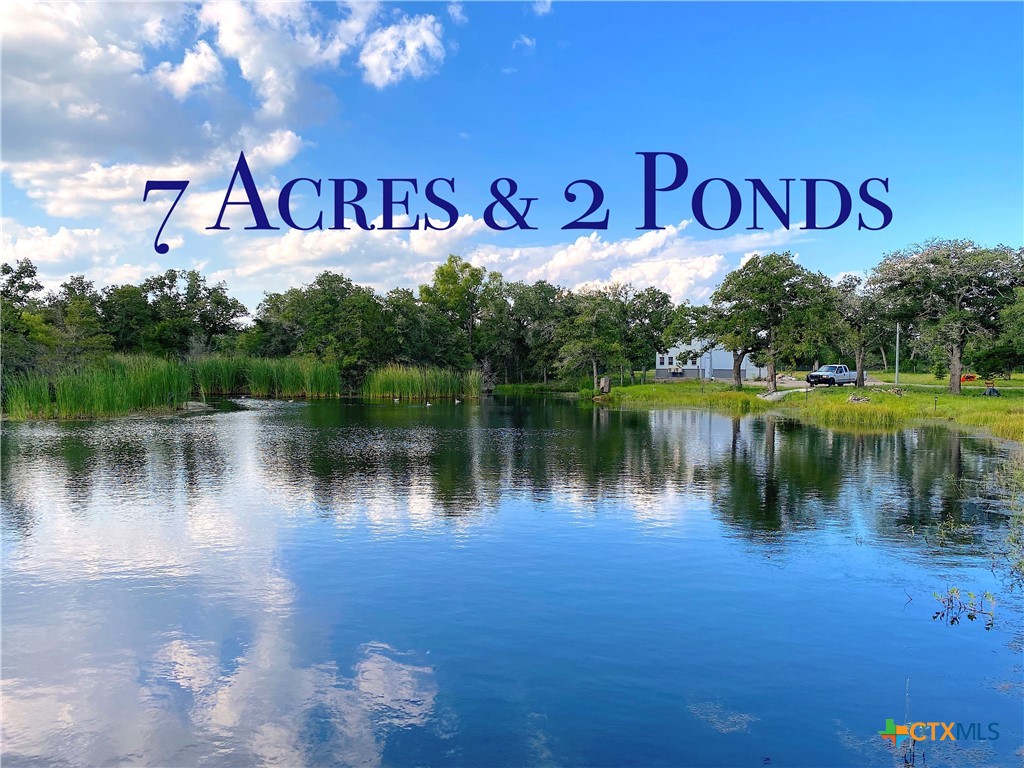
41 247
410 48
684 267
92 251
86 111
542 7
199 68
274 42
692 278
438 244
380 258
859 274
457 13
526 42
84 62
508 70
80 187
321 249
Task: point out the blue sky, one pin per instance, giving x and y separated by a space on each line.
100 97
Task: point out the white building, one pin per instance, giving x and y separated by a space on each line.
687 362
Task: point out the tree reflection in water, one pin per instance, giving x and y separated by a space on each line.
154 614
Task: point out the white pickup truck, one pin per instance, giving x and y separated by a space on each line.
832 375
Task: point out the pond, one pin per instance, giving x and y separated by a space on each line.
496 583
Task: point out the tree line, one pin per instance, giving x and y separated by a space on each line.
958 305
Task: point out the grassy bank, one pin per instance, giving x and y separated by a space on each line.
410 382
1002 416
692 394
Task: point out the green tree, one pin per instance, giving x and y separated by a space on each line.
18 283
83 330
862 320
766 307
188 312
703 328
77 305
649 314
332 318
544 308
125 314
955 289
590 339
501 337
457 291
422 334
18 286
1004 352
78 288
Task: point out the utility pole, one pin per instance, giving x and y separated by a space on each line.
897 354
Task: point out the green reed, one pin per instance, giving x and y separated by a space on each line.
220 375
410 382
291 377
291 380
27 396
321 380
119 385
123 384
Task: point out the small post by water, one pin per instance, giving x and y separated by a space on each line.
897 382
935 407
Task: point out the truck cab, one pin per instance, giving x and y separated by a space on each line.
832 376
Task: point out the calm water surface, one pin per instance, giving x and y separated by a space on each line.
500 583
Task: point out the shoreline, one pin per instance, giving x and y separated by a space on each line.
881 411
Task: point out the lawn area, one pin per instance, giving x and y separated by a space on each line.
907 378
1002 416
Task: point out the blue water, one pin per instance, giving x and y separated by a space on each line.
500 583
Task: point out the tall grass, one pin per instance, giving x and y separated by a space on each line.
261 377
219 375
119 385
27 396
410 382
472 383
291 377
123 384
